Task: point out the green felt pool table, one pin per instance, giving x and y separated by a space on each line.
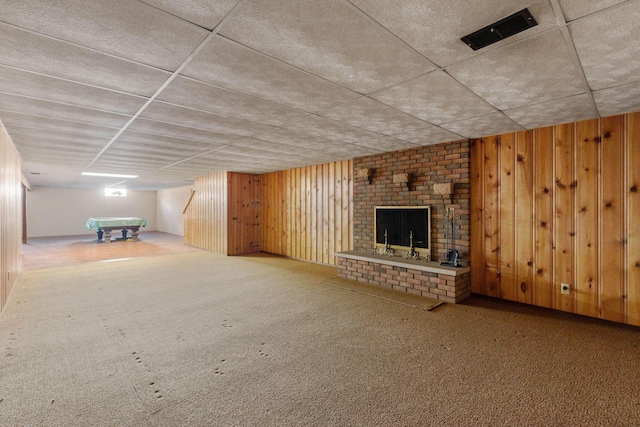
105 225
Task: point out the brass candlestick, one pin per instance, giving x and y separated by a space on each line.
412 253
388 250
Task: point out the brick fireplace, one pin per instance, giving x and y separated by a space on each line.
423 167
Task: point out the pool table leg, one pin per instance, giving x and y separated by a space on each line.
100 232
134 234
107 236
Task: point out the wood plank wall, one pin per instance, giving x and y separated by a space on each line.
10 215
560 205
307 213
205 221
224 213
243 229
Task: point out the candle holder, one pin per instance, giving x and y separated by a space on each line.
388 250
412 253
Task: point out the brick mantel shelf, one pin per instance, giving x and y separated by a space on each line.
425 278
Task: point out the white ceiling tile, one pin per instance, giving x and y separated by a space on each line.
45 135
435 97
151 153
429 135
169 113
435 27
72 151
281 150
177 131
572 109
322 127
292 137
618 99
44 123
207 13
227 64
166 143
141 36
213 99
478 127
369 114
255 153
574 9
328 39
21 104
608 44
20 82
32 52
530 71
386 144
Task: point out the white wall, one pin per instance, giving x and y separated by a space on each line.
171 203
64 211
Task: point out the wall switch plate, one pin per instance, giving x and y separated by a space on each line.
565 288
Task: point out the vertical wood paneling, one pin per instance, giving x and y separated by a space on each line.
567 216
491 217
633 213
337 214
587 279
325 213
612 229
331 213
10 215
543 215
564 215
477 224
206 219
244 213
316 217
524 210
508 289
224 214
313 213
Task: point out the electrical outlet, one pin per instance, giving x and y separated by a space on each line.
565 288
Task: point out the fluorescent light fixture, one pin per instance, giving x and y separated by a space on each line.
109 175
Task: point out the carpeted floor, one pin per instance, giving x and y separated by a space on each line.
200 339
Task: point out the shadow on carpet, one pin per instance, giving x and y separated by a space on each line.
374 291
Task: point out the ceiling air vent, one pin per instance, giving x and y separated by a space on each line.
502 29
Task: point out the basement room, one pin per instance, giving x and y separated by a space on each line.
319 213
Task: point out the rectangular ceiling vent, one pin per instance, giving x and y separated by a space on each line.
500 30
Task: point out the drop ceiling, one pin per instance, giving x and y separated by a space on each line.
170 90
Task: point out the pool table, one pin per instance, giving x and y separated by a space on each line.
107 224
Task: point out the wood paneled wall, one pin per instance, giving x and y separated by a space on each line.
205 221
243 227
10 215
307 213
223 215
560 205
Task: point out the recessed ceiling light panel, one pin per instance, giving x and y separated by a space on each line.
109 175
500 30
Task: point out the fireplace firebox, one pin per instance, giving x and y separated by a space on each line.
402 226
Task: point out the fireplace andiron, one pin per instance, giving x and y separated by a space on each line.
452 256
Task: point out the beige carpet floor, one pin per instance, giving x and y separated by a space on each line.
199 339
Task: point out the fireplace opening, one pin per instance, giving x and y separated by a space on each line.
402 224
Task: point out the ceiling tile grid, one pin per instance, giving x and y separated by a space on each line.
174 89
